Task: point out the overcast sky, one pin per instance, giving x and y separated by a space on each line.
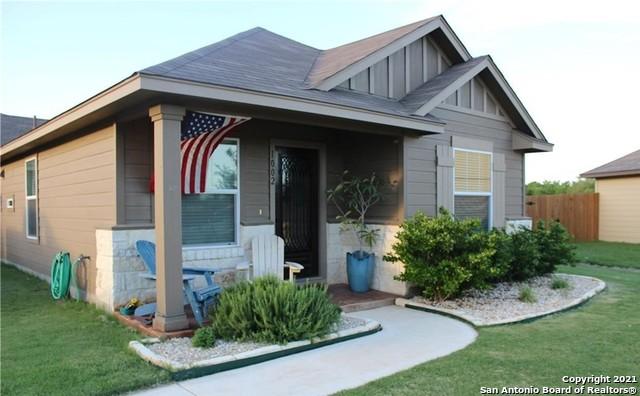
574 64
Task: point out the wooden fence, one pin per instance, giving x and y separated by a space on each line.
577 212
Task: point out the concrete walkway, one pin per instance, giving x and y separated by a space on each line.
409 337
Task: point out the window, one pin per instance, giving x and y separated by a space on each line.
31 194
473 186
212 218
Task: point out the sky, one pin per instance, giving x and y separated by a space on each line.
574 64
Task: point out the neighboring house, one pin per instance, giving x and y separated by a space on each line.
440 127
12 127
618 185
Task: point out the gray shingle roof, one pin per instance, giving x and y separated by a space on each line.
624 166
12 127
259 60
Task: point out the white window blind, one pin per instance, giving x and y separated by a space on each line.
473 186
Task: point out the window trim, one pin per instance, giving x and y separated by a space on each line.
235 192
475 194
28 198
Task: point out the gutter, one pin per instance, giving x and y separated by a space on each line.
153 83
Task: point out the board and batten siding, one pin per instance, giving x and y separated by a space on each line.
135 149
421 160
76 196
619 209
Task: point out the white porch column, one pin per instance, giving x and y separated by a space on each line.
168 217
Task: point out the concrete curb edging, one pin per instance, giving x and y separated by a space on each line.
477 322
222 363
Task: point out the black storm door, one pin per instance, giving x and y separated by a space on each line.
297 206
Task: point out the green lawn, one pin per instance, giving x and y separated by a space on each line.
615 254
600 337
63 348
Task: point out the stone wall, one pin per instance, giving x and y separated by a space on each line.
340 243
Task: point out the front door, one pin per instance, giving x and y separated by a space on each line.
296 206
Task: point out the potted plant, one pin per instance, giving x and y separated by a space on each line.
353 197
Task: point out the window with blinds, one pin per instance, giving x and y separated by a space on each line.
211 218
472 184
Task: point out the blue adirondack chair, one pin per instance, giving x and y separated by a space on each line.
199 299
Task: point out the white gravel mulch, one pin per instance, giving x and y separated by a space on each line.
180 350
501 304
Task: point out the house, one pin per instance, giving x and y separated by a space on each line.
618 186
440 127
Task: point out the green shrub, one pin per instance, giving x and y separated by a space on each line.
524 256
527 295
559 283
443 256
554 245
204 337
273 311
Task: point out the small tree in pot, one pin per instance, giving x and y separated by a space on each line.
353 197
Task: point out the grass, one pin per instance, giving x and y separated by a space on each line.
599 337
613 254
559 283
527 295
63 348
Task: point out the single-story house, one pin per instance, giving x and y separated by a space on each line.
440 127
618 187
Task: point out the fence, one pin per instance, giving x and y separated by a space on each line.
577 212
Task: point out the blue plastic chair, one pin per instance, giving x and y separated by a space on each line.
199 299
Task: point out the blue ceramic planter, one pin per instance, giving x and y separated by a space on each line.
360 270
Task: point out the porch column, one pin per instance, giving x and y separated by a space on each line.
168 217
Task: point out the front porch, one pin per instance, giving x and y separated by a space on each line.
147 146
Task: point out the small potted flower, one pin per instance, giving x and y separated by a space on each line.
353 197
130 307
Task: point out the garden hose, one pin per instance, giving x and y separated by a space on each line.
60 275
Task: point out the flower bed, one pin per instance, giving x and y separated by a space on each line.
502 304
184 360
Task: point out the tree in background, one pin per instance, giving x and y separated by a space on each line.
548 187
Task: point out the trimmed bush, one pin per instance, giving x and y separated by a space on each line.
204 337
443 256
554 245
273 311
524 256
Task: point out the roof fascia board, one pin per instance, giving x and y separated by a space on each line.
604 175
104 98
523 142
355 68
209 91
451 88
506 88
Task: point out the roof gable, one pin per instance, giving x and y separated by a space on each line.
432 93
334 66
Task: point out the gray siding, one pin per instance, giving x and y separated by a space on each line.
420 170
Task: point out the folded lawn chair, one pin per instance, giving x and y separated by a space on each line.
200 299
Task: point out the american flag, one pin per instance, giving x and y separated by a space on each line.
200 135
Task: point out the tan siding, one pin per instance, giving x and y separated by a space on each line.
619 209
76 195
